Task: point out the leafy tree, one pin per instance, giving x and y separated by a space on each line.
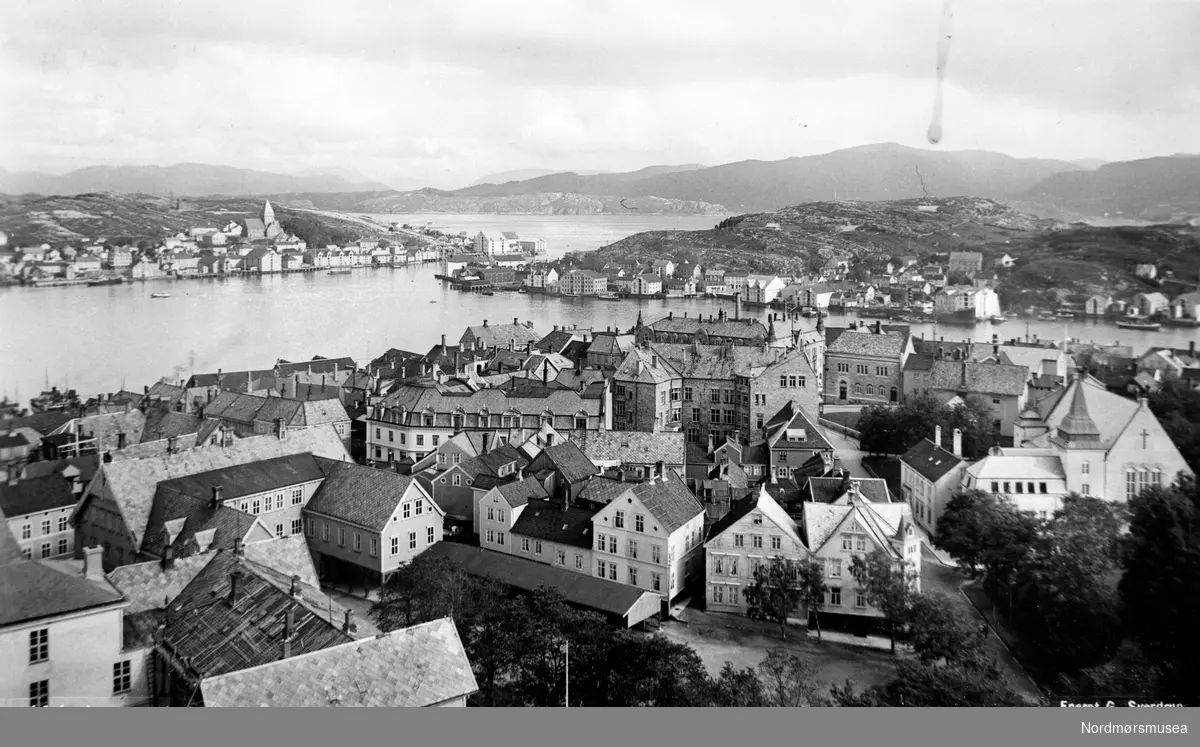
920 685
653 671
810 580
775 593
939 632
1089 530
895 430
737 688
1007 536
1177 407
789 681
1161 608
963 526
886 585
424 589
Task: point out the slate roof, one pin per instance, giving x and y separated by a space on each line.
1013 464
881 521
854 342
198 515
31 590
149 586
104 428
218 636
1110 412
745 329
554 342
602 489
520 492
632 447
721 362
139 629
250 478
669 500
550 521
164 424
791 418
829 489
40 422
13 440
132 483
500 335
982 378
930 460
360 495
36 494
580 589
570 461
424 665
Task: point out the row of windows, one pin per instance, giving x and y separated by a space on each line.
48 550
1021 487
1137 480
484 420
864 370
756 541
63 524
430 538
606 569
267 504
434 440
791 382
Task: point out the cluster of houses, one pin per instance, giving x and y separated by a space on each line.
175 546
253 245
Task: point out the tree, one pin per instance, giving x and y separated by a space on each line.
775 593
919 685
810 580
940 633
1161 609
789 681
887 586
422 590
1090 531
963 525
1007 535
1177 407
652 671
895 430
737 688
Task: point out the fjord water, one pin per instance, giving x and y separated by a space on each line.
98 339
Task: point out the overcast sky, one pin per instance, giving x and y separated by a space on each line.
440 93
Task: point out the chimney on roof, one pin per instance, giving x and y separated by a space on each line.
289 626
239 549
937 435
171 445
120 439
348 625
658 469
168 559
279 428
620 474
217 495
295 591
958 442
145 389
485 322
443 342
93 563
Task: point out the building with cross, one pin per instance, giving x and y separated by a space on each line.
1082 439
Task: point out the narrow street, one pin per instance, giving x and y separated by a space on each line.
846 449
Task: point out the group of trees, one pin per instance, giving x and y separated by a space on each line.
316 232
1177 407
895 430
953 666
1097 604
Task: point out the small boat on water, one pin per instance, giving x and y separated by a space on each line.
999 319
1046 317
488 293
1142 324
160 295
339 272
1064 315
607 297
107 281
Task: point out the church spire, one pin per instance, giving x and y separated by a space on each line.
820 321
268 213
1078 427
771 331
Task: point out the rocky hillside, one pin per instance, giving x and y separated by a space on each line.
541 203
86 217
800 239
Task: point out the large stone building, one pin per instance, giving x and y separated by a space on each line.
709 390
864 365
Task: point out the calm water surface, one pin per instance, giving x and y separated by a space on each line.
102 338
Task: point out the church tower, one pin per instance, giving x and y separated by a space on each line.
1077 441
268 216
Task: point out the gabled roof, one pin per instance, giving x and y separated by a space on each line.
164 424
31 590
500 335
250 478
882 522
930 460
551 521
602 490
829 489
861 342
790 419
981 378
36 494
424 665
520 492
632 447
1110 413
217 635
570 461
132 482
149 586
669 500
760 501
191 515
360 495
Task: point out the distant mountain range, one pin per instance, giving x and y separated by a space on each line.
1153 189
185 179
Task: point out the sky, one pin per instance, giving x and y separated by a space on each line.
416 93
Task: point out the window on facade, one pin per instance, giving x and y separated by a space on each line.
122 679
374 547
835 568
420 506
860 543
600 565
612 571
46 549
278 501
655 554
632 549
835 596
378 434
756 541
341 536
738 540
63 523
324 531
279 530
619 520
429 535
860 599
64 546
578 561
391 435
776 543
847 542
255 507
612 545
39 645
39 694
1020 488
687 394
26 531
396 545
420 439
357 542
1007 487
406 510
491 536
412 540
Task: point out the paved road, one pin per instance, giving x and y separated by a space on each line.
846 449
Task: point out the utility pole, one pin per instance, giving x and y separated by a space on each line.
567 645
